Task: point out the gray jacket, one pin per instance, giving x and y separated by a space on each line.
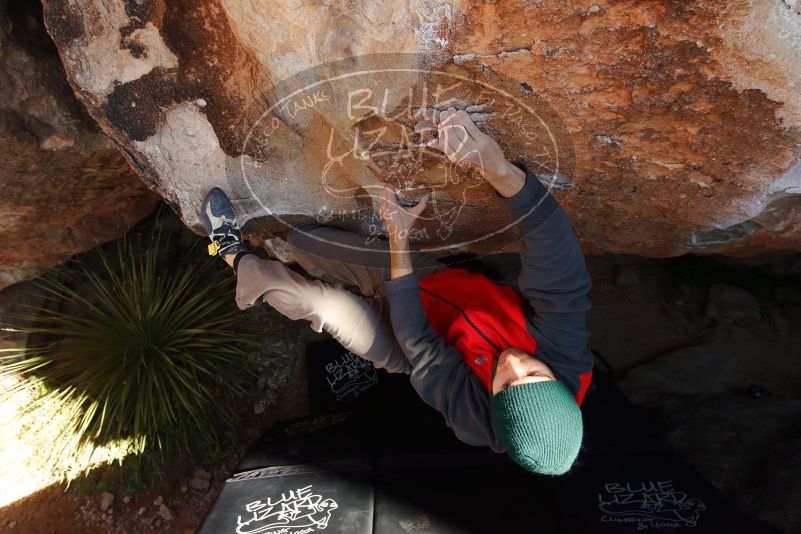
555 282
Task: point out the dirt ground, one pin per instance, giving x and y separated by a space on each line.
720 375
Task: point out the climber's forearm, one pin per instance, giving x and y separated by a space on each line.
400 256
555 280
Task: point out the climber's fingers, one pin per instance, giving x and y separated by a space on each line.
438 142
386 196
435 144
420 207
454 135
464 119
445 117
459 119
455 140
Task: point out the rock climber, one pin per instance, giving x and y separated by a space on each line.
506 371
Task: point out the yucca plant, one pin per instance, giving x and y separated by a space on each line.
135 354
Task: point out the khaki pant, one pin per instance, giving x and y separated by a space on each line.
360 324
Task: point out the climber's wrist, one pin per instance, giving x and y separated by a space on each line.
400 257
508 179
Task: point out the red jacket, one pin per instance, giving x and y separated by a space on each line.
480 319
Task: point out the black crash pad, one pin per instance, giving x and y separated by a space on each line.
338 381
382 461
331 498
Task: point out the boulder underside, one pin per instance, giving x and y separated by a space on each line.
66 187
662 127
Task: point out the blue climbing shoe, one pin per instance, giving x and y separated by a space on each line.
219 221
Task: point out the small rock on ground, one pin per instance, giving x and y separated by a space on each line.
165 513
106 500
200 480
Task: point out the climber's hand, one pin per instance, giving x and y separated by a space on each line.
465 145
397 219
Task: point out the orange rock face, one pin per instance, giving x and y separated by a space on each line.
65 187
662 127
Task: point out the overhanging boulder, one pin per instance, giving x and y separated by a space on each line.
677 124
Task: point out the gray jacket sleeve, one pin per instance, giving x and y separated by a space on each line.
554 280
439 375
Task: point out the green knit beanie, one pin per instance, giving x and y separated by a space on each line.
540 425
